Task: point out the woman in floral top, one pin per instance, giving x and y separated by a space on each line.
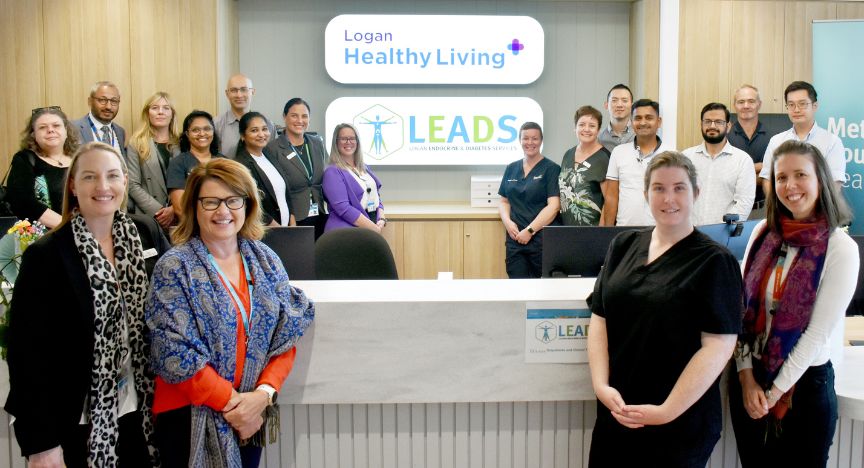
583 172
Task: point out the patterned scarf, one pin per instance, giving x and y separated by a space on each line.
796 299
118 306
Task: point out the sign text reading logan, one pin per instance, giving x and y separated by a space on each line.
368 37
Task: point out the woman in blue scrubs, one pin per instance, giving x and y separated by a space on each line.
529 202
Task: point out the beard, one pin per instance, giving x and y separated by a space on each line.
714 139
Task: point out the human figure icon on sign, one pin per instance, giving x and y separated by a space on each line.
378 138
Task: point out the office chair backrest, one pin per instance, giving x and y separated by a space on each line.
353 254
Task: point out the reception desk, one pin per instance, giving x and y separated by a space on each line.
432 374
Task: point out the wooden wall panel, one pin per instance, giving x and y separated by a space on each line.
21 71
645 48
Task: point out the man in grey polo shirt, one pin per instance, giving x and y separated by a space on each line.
618 130
625 203
727 180
239 93
801 105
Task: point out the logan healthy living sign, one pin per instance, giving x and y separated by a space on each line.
435 130
437 49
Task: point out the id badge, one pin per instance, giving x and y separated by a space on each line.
313 209
370 206
292 155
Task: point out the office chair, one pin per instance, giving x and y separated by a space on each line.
353 254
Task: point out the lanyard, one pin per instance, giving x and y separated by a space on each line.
246 318
779 284
96 132
309 169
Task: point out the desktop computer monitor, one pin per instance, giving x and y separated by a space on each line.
577 251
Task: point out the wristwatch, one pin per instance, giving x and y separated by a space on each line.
769 395
271 392
530 230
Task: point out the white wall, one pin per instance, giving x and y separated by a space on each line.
587 51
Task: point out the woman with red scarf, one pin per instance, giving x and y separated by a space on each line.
799 276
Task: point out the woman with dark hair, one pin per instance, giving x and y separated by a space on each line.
198 144
270 177
38 170
148 154
352 190
665 313
583 172
223 321
303 157
529 202
81 388
800 273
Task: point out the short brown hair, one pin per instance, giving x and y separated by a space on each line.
831 202
70 201
238 179
672 159
589 111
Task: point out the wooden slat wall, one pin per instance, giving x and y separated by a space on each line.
645 49
53 50
725 43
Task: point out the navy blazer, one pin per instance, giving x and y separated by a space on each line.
50 339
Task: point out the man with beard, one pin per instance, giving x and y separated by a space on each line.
625 203
98 125
618 130
239 93
726 177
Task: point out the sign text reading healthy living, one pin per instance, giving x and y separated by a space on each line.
411 49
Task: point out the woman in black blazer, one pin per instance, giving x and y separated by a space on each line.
270 177
77 355
304 158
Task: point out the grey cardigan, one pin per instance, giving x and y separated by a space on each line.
147 191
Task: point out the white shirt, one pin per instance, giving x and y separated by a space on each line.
823 337
370 199
627 165
727 184
828 143
278 184
97 135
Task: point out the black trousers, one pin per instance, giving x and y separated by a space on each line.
524 261
131 447
173 433
807 429
317 222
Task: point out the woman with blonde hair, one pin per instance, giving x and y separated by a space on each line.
351 189
150 150
223 321
80 384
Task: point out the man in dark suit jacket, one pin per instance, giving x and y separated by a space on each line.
98 125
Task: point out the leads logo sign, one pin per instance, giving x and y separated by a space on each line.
435 130
412 49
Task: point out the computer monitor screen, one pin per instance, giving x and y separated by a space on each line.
296 247
577 251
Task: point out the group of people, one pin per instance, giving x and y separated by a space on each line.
155 355
600 180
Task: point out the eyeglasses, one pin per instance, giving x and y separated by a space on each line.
104 101
798 105
212 203
715 123
49 108
347 139
200 130
242 90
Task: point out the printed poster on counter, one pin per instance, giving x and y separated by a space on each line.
556 332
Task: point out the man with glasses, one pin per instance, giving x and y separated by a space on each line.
801 105
239 93
726 178
618 130
98 125
751 136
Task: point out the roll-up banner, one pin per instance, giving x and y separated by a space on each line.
838 69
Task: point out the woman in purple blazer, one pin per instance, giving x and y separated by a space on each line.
352 191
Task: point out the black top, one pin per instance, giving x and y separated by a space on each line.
655 315
581 197
165 154
755 147
305 187
179 169
52 335
269 204
529 195
26 199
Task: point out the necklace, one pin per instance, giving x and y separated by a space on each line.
54 162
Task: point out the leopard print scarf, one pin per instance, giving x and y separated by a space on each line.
118 304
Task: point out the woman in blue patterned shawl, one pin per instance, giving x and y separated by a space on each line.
223 321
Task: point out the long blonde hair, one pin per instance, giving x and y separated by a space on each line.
140 140
336 157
